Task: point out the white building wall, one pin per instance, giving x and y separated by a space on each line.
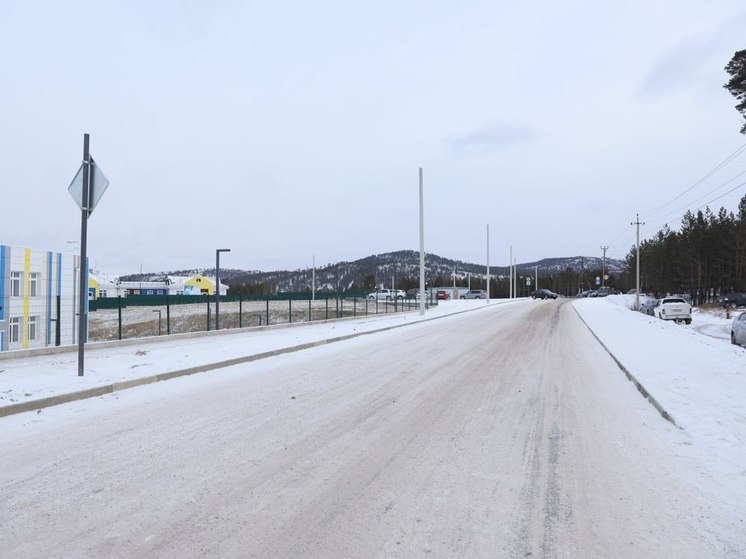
30 315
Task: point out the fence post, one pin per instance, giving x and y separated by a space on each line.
168 315
290 309
119 313
208 314
366 306
310 319
267 311
240 311
327 307
354 306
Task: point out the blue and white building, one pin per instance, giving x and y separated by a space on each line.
38 295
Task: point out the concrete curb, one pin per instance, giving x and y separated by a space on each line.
41 403
655 403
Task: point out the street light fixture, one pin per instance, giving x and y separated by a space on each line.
217 285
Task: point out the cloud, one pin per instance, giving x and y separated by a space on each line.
686 64
490 137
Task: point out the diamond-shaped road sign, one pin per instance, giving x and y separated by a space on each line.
98 186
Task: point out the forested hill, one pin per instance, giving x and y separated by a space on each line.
401 267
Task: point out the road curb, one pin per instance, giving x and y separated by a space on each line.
640 387
98 391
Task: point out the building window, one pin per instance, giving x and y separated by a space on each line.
15 283
102 293
15 329
33 284
32 327
150 291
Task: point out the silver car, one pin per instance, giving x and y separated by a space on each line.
738 330
475 294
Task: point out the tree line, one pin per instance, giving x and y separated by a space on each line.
705 259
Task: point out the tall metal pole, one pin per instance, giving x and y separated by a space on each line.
603 266
217 286
422 247
637 258
510 274
313 279
536 278
83 290
488 262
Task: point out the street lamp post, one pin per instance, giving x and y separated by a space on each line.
217 285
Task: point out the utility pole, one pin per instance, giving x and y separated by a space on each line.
536 280
510 274
313 279
422 247
637 258
603 266
488 262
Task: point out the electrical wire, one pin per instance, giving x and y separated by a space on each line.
722 164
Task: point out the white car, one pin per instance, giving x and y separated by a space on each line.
386 294
673 308
738 330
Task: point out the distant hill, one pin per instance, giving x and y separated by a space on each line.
380 268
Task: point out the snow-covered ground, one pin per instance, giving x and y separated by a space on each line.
692 371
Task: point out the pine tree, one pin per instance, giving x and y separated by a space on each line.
737 83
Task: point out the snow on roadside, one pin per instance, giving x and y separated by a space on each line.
693 371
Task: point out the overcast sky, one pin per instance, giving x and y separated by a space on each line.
284 130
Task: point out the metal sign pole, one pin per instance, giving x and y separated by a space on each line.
83 289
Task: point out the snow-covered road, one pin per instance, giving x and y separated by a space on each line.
503 432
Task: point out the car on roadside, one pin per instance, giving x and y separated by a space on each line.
386 294
543 294
442 294
738 330
605 291
647 306
475 294
413 293
733 300
673 308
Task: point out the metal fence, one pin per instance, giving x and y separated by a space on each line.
150 315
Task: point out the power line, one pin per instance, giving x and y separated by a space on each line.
722 164
706 204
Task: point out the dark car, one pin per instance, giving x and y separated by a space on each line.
413 293
647 306
734 300
543 294
605 291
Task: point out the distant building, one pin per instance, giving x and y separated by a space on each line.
102 286
38 298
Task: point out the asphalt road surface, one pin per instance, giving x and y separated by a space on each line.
502 432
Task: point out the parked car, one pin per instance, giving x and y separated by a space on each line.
543 294
475 294
604 291
647 306
673 308
734 300
413 293
442 294
386 294
585 293
738 330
